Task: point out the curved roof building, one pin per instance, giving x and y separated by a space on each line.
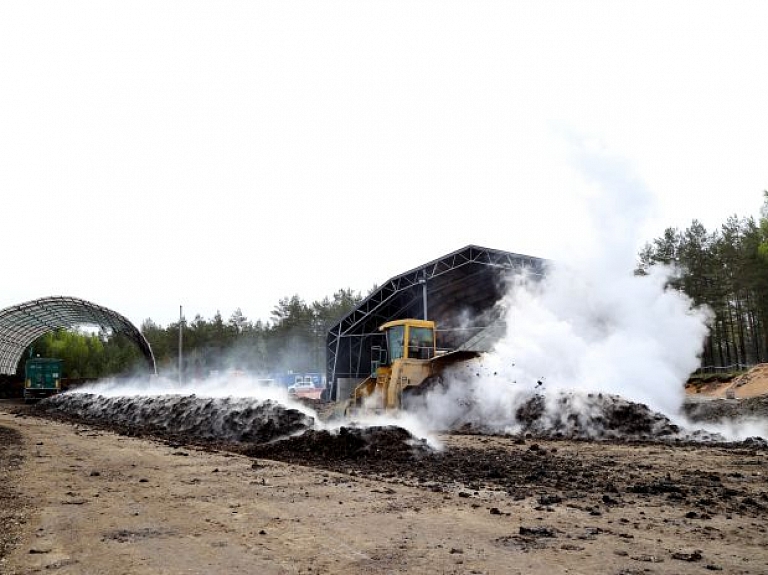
22 324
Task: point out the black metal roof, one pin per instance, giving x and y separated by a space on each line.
22 324
462 289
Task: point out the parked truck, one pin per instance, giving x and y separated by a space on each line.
42 377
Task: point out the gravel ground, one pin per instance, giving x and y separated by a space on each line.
377 500
11 503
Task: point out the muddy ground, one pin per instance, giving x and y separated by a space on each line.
375 501
12 502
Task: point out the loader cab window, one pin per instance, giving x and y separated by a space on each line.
396 342
421 343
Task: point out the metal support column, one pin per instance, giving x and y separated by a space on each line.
181 337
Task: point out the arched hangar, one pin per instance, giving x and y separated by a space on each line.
458 291
22 324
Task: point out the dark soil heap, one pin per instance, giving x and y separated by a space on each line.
591 416
347 444
727 409
191 417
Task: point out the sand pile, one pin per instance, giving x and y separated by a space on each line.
753 383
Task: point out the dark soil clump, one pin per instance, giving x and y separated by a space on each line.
347 444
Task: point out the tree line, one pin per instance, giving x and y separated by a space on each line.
85 354
725 269
292 339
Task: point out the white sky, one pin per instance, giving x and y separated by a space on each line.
226 154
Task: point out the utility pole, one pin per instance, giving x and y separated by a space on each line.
181 337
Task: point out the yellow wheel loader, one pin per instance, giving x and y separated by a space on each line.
409 365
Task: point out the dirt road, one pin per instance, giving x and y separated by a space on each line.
102 503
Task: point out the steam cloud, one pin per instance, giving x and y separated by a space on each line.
589 326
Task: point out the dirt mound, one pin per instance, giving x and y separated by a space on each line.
345 444
393 453
753 383
589 416
718 410
194 418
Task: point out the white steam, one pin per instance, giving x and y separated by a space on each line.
591 324
588 330
222 385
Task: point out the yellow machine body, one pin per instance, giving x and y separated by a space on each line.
410 360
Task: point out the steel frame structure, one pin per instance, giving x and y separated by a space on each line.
470 279
22 324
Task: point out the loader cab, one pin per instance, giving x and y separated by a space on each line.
409 339
405 339
404 362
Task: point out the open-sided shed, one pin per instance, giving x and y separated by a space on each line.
458 291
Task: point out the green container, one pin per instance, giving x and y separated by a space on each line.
42 377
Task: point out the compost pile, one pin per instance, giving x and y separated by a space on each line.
580 416
593 416
247 420
727 409
348 443
184 417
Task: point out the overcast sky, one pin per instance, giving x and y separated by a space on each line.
225 154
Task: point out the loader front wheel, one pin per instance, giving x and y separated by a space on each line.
415 397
